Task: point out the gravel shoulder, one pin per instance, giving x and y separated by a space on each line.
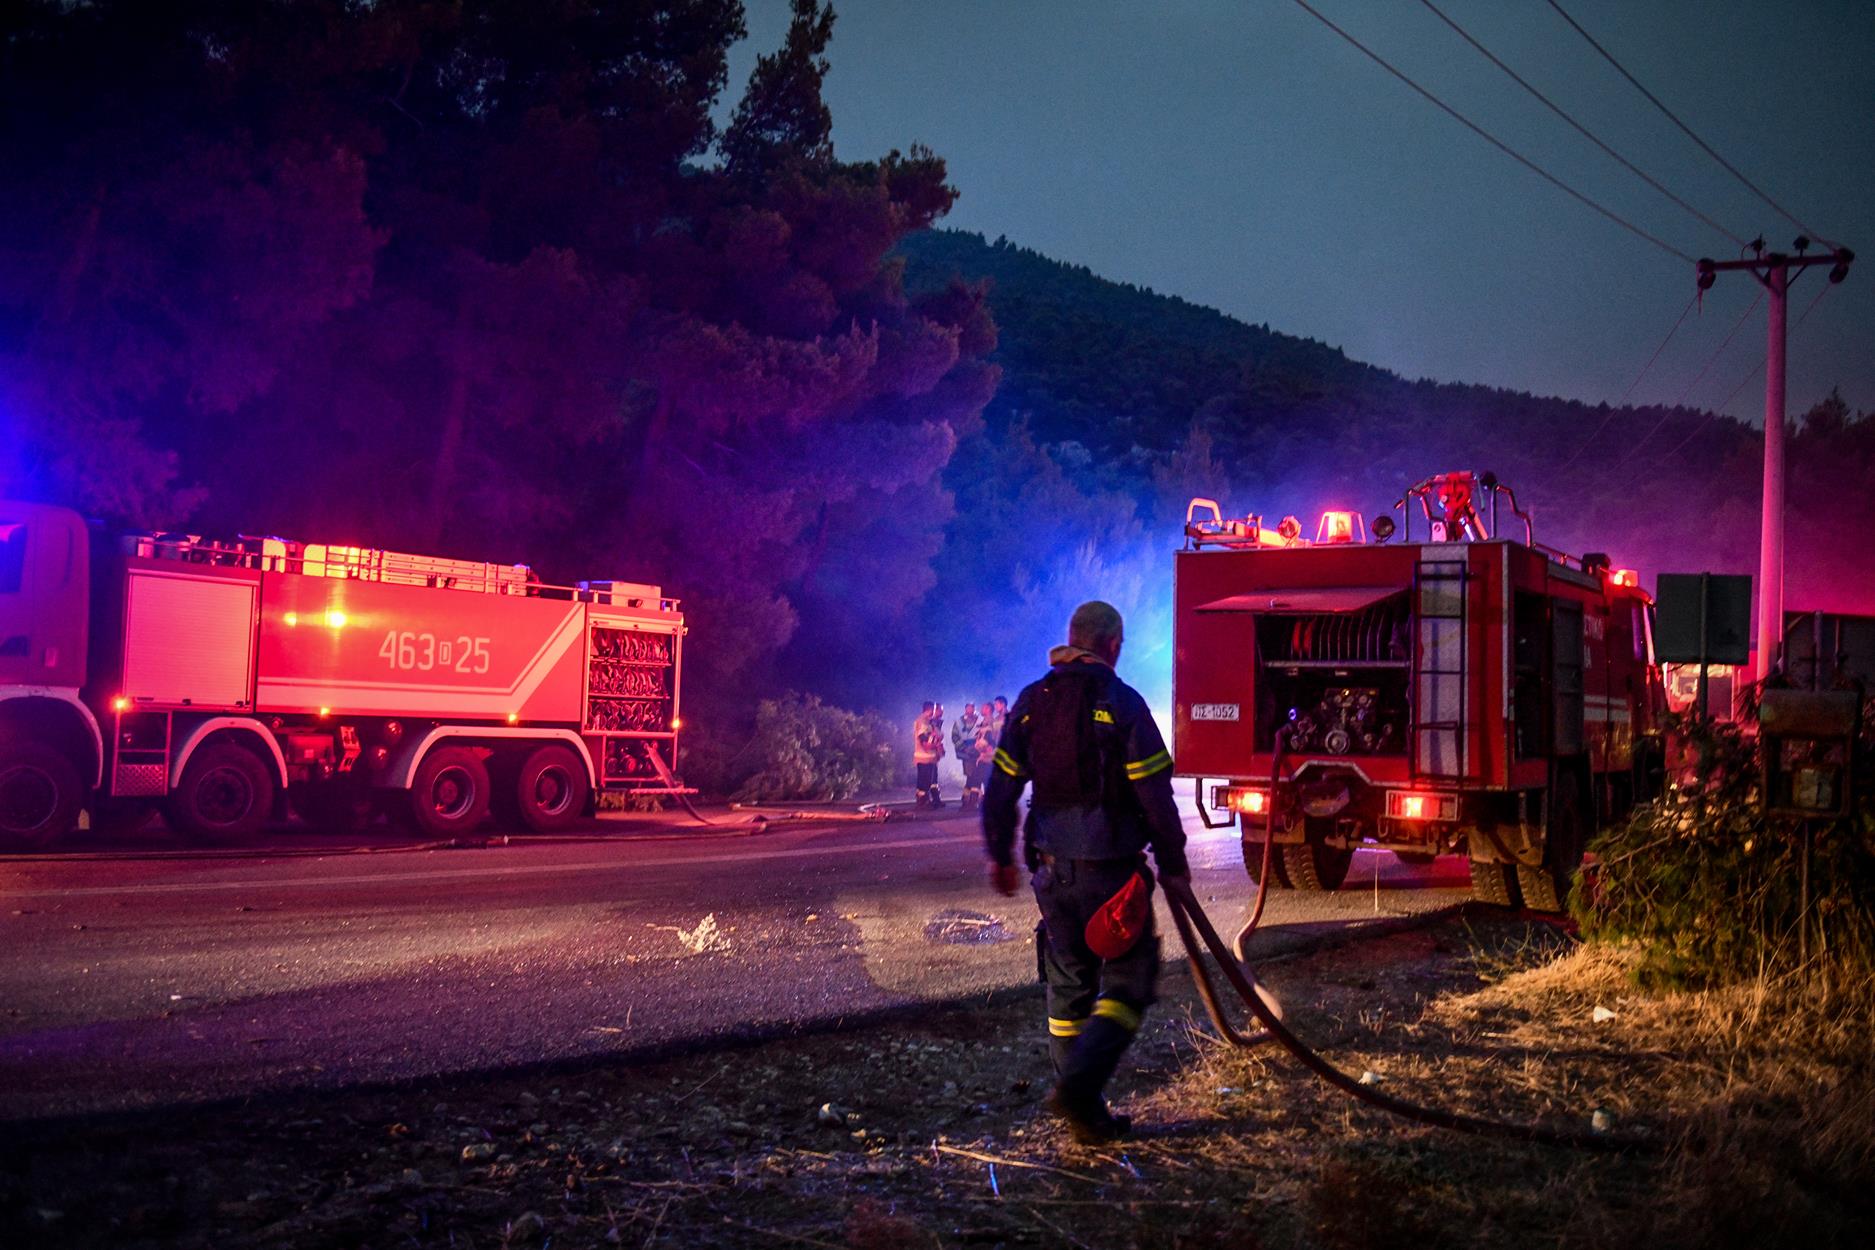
929 1130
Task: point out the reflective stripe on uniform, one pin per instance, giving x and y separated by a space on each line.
1065 1028
1007 763
1139 770
1103 716
1113 1009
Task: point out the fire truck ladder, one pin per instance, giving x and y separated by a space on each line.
1439 673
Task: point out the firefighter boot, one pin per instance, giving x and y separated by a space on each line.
1087 1067
1059 1048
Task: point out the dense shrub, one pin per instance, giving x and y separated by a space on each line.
802 748
1710 888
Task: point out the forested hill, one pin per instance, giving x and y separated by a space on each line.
1294 425
1110 364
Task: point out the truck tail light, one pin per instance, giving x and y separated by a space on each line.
1405 805
1240 799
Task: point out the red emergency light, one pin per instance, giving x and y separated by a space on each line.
1405 805
1240 799
1340 527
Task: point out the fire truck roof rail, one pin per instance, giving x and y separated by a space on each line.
1246 531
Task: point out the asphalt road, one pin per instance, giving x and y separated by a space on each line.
142 982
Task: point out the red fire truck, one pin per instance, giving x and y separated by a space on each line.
1464 690
221 679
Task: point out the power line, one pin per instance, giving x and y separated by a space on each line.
1684 128
1622 402
1744 381
1493 140
1703 370
1580 129
1719 350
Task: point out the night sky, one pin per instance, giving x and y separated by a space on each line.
1240 154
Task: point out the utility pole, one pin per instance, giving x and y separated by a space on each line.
1773 272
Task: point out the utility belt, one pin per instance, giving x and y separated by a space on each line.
1042 859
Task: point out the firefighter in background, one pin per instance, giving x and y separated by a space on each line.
983 750
964 732
1102 782
997 712
927 735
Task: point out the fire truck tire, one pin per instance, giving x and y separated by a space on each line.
550 789
1253 861
40 793
226 793
1495 883
1547 888
1314 866
450 793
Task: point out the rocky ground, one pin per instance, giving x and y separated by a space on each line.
929 1130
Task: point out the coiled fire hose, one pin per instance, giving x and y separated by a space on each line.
1187 915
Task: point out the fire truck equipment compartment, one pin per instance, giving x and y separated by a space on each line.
189 639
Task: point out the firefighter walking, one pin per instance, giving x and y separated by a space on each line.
1102 780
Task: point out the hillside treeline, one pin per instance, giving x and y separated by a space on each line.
1120 382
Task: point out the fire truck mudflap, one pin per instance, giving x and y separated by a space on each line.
1461 693
224 681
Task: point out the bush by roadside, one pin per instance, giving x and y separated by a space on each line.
1708 889
802 749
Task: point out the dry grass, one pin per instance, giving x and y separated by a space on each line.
1762 1092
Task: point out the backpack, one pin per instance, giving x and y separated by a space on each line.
1066 758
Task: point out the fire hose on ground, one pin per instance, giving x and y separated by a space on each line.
1188 916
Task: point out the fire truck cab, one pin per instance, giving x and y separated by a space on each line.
1462 690
224 681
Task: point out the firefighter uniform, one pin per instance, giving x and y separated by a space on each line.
964 746
1102 782
927 749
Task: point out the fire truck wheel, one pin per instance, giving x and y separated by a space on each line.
1313 866
1547 888
226 793
40 791
450 793
1495 883
550 789
1253 863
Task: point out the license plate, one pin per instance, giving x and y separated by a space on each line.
1215 711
